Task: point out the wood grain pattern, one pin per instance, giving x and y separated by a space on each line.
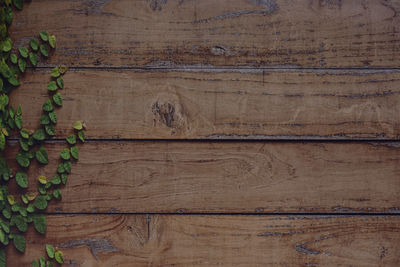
272 33
228 177
133 240
244 104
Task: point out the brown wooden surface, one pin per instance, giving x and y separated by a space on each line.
273 33
173 240
229 177
244 104
227 69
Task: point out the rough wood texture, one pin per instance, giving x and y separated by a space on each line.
133 240
229 177
273 33
222 104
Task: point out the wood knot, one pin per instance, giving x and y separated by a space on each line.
165 113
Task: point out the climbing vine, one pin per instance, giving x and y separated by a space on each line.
24 206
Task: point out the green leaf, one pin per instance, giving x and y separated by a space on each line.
24 133
35 264
75 152
55 73
4 239
34 43
3 30
42 262
78 125
4 170
50 251
23 212
15 206
59 257
33 58
22 179
57 98
7 45
49 129
19 4
53 116
56 179
67 166
45 119
40 203
48 106
3 101
30 155
23 51
2 141
71 139
22 65
41 155
57 194
20 222
5 226
9 14
65 154
81 135
64 178
30 208
52 86
5 70
6 213
24 144
39 222
14 81
42 189
44 49
19 242
39 135
49 264
44 35
11 111
60 82
14 58
52 41
22 159
3 258
60 168
18 121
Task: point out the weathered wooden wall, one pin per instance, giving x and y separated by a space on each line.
222 132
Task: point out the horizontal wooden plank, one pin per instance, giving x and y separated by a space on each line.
158 33
167 240
228 177
243 104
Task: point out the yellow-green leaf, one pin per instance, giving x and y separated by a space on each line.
78 125
11 199
42 179
59 257
52 41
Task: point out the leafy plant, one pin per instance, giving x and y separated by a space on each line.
25 207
